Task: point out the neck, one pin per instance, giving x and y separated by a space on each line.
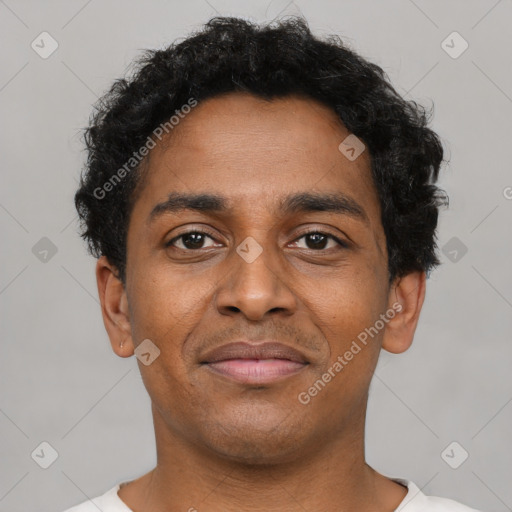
332 475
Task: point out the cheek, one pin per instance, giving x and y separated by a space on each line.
350 311
354 298
163 304
347 310
165 308
165 314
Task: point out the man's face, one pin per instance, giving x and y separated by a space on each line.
308 292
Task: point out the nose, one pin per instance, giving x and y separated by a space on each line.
255 289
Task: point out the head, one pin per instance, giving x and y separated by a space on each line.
275 187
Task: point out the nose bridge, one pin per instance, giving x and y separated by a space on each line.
253 285
255 264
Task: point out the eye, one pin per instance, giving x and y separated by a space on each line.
317 240
190 240
194 240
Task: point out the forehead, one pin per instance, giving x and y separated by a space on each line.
253 150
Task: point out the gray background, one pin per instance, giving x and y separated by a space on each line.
61 382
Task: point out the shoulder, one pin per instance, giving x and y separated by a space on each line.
83 507
108 502
416 501
446 505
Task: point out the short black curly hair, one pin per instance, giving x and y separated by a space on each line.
270 61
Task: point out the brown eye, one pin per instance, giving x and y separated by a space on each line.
316 240
190 241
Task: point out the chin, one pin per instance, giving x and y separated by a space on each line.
255 444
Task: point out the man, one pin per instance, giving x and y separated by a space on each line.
263 208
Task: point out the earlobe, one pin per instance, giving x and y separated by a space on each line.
406 297
114 308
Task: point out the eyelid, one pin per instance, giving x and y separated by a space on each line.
202 230
322 231
205 231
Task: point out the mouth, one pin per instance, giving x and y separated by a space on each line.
262 363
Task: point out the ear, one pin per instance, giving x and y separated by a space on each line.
406 296
114 308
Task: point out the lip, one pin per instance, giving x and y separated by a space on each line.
251 363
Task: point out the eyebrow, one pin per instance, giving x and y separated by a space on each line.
294 203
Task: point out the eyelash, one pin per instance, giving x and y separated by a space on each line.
342 244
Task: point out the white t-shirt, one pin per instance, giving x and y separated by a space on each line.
414 501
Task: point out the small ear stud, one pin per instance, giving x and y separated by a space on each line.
121 344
